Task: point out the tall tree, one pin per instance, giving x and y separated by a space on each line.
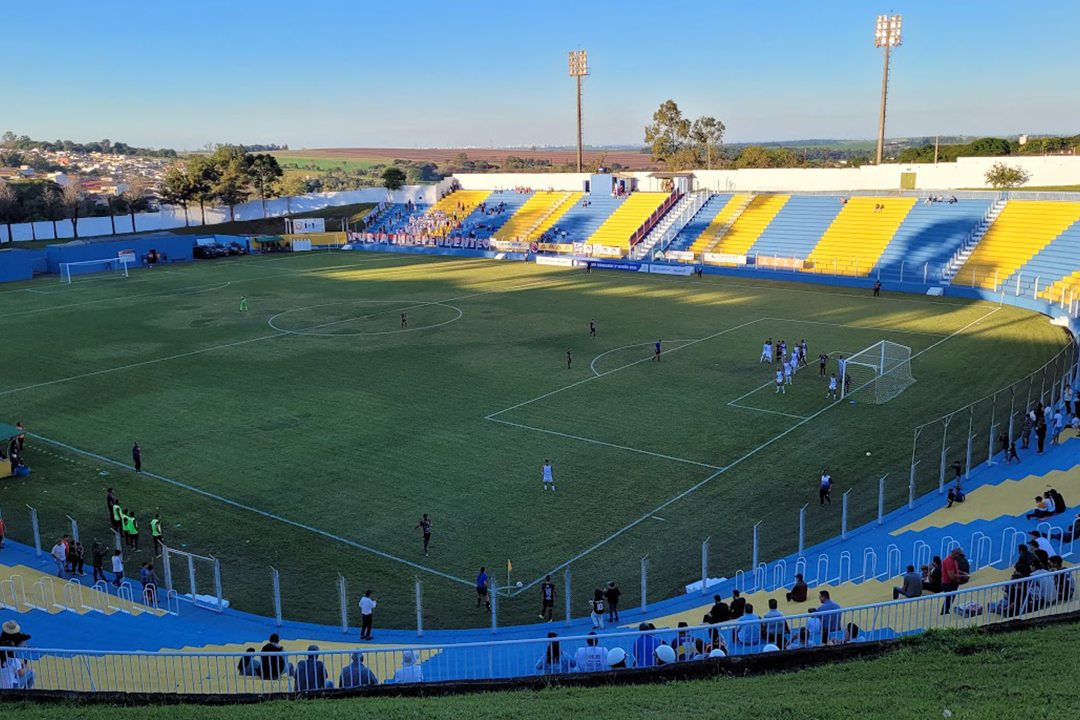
232 184
753 156
707 134
135 199
177 189
54 207
668 134
201 175
9 202
265 171
289 187
393 178
1003 176
73 196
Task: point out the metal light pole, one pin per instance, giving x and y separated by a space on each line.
579 68
886 35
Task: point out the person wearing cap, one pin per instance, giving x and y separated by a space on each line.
356 674
617 659
645 647
554 661
409 671
665 655
311 672
798 593
592 657
611 594
15 672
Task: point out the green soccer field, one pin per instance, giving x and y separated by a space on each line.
312 431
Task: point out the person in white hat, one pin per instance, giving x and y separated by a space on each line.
618 659
409 670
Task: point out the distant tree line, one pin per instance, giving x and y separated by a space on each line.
230 175
35 201
11 141
989 147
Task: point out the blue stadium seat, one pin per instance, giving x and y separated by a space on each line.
700 221
929 234
796 229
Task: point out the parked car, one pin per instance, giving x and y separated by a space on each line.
203 251
236 248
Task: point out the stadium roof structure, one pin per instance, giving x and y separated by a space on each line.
9 431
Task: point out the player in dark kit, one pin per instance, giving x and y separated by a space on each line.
425 526
136 457
404 319
547 597
592 328
569 358
656 353
823 360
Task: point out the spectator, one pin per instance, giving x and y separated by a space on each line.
611 594
273 666
1071 532
664 655
830 616
813 628
1012 599
77 557
963 565
617 659
117 568
367 608
1038 542
798 593
749 632
932 576
14 673
59 554
720 612
644 647
685 645
1063 582
737 605
596 609
951 575
409 672
802 640
1040 433
1025 559
1043 592
956 494
356 674
1029 425
912 586
1042 509
554 661
97 554
250 665
311 672
150 586
1059 502
592 657
1058 426
775 629
852 634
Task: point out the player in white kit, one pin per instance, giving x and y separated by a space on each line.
780 381
766 352
548 479
787 372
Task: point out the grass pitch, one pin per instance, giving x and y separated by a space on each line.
312 431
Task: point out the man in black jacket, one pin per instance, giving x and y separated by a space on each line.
611 594
720 612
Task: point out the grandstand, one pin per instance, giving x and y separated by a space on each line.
858 235
540 212
750 221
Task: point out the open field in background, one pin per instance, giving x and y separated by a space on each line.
316 410
628 158
304 158
954 674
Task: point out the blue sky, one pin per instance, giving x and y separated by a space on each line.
416 74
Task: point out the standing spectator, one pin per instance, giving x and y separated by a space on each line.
830 616
1040 433
311 672
409 672
1059 425
356 674
157 535
1029 425
150 586
59 554
21 437
97 556
3 531
592 657
951 576
798 593
912 586
367 607
482 588
136 456
117 568
554 660
110 501
596 609
1012 454
78 561
1067 396
611 594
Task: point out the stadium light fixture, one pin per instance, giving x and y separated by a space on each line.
579 68
886 35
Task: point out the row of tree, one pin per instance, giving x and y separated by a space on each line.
230 176
45 201
988 147
11 141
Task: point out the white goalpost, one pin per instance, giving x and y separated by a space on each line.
877 374
117 266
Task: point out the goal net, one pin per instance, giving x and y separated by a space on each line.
117 266
878 374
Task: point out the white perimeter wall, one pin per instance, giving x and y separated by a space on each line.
964 173
173 217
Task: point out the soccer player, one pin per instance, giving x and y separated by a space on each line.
592 328
547 597
877 288
779 353
136 457
243 303
766 352
425 526
569 358
482 588
546 476
843 365
803 349
780 381
783 350
787 373
826 488
404 319
847 384
823 361
656 353
832 387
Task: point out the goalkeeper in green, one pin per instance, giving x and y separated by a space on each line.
243 303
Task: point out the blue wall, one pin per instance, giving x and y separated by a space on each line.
177 247
16 265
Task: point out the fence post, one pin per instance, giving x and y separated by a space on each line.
802 527
168 568
494 595
217 585
118 542
755 557
944 453
971 419
343 595
419 612
705 564
74 529
566 592
275 582
843 519
881 500
644 580
37 534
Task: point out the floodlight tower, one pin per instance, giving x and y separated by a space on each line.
579 68
886 35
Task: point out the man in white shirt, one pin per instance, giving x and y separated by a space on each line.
780 381
367 607
59 554
409 672
775 630
1041 543
787 372
592 657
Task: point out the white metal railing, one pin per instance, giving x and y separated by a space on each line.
236 673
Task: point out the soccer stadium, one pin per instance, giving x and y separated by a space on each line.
720 433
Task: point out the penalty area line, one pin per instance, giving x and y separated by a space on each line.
257 511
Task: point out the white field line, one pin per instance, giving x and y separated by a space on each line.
735 402
724 469
605 444
592 365
615 370
771 412
859 327
263 513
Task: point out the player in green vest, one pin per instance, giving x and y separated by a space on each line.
155 532
243 303
117 517
133 532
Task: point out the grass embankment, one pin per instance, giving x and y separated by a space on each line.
947 674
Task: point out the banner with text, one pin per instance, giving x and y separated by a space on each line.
671 269
724 259
556 247
780 262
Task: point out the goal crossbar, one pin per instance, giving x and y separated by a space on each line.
118 265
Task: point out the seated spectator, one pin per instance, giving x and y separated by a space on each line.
645 647
1042 592
719 612
554 660
802 640
813 628
1063 582
776 628
932 576
14 673
273 666
1071 532
798 593
956 495
592 657
250 664
1042 509
617 659
852 634
1059 501
409 672
830 612
1012 599
1038 542
685 646
1024 561
738 603
749 632
311 673
912 585
356 674
715 639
